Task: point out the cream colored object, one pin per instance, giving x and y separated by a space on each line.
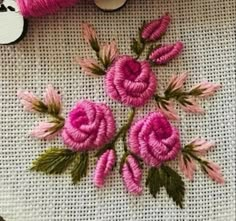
109 5
11 23
45 56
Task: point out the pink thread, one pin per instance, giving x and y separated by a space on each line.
46 130
205 89
89 32
154 139
104 166
187 166
52 99
132 176
29 101
201 146
168 109
130 82
190 105
176 82
213 171
165 53
155 29
88 126
38 8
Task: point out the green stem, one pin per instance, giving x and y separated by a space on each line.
141 50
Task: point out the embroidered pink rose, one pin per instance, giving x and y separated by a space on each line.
130 82
88 126
154 139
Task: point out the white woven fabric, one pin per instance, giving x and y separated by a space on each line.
207 27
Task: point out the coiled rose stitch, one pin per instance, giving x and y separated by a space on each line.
154 139
132 175
165 53
130 82
88 126
156 28
104 166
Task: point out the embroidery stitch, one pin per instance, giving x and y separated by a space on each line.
152 140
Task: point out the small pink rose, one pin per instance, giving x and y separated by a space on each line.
88 126
130 82
154 139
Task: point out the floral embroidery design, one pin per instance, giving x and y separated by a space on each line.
149 142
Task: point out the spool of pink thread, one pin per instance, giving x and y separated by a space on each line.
37 8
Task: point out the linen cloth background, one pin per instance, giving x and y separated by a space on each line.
207 28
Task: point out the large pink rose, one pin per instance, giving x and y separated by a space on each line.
154 139
88 126
130 82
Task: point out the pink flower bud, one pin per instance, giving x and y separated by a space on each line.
108 53
165 53
90 66
104 166
187 166
201 146
90 36
189 104
167 108
213 171
89 33
53 100
204 89
132 175
176 83
156 28
47 130
30 102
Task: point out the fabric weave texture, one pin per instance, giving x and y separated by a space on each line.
45 56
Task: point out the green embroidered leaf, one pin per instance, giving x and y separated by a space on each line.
54 161
168 178
154 181
80 167
173 184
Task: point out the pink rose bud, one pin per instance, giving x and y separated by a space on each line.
47 130
108 53
204 89
165 53
154 139
189 104
176 83
201 146
130 82
167 108
52 99
156 28
132 175
187 166
105 164
213 171
90 36
88 126
30 102
90 66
